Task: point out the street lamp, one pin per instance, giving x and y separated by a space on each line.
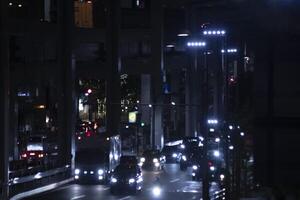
196 44
229 51
217 32
170 46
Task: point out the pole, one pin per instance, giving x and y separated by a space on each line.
152 127
4 101
113 66
205 187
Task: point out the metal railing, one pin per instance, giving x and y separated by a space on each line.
36 178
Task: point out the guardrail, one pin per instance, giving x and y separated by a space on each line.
38 179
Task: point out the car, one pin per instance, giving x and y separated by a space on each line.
126 178
216 167
171 153
152 159
216 172
190 157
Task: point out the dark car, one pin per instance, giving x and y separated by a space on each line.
216 167
190 157
128 160
171 153
216 172
126 178
152 159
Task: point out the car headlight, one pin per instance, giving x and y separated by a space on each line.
222 176
174 155
156 191
212 168
183 158
182 146
114 180
77 171
217 153
156 164
143 159
155 160
140 179
132 180
193 174
195 167
100 172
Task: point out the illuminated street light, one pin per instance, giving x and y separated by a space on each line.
242 134
229 51
214 32
173 103
230 127
196 44
150 106
212 121
217 140
170 46
183 35
231 147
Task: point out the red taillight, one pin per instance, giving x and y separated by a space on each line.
210 163
79 138
41 155
88 134
24 155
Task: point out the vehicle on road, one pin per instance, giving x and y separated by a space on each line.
35 152
190 157
126 178
171 153
152 160
96 160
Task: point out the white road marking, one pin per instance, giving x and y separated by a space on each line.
175 180
127 197
106 188
78 197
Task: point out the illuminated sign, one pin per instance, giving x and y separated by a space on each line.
132 116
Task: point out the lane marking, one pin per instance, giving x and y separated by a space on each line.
106 188
175 180
78 197
127 197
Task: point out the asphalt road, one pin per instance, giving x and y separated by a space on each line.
175 185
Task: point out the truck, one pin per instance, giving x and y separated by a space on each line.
34 154
96 158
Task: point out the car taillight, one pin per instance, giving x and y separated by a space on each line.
88 134
24 155
32 154
210 163
41 155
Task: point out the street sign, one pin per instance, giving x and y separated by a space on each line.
132 117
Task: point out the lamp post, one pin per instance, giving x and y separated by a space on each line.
204 129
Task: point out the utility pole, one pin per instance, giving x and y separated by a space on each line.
4 100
